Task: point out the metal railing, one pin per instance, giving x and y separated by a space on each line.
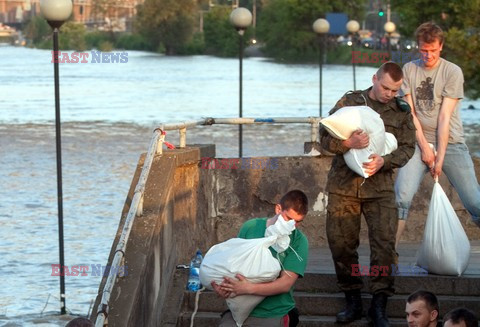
182 127
156 147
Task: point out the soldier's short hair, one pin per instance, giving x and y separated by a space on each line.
392 69
428 297
429 32
461 314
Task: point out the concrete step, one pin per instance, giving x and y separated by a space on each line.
209 319
329 304
440 285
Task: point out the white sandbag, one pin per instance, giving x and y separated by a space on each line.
356 157
343 122
445 249
391 143
281 230
250 258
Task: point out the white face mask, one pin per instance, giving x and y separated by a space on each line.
282 229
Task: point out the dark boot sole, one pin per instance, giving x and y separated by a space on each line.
347 321
370 321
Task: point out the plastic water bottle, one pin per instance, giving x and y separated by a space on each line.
194 284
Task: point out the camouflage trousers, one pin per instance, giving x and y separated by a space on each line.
343 229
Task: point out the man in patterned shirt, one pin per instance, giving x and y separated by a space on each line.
433 87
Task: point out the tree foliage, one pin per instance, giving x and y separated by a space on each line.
167 23
463 49
459 19
286 25
72 37
220 37
463 42
37 30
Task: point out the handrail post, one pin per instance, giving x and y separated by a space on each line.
314 130
183 137
161 139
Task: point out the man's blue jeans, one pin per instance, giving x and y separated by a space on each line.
459 169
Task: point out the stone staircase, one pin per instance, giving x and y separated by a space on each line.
318 299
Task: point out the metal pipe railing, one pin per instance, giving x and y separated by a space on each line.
137 201
182 127
136 207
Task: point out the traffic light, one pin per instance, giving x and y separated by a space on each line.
381 12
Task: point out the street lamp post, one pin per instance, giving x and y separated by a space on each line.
56 12
241 19
321 27
389 27
352 27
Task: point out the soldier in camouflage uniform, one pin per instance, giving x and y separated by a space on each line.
351 195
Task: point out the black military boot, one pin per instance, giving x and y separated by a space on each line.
377 313
353 308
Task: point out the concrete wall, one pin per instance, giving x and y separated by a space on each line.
244 194
188 207
173 225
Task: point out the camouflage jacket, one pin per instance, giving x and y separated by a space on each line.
397 119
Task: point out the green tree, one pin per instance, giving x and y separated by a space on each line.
72 37
167 24
132 42
94 38
412 13
37 30
286 25
462 44
221 39
463 48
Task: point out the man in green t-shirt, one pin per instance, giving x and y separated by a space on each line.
274 309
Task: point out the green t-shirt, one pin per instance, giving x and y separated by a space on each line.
280 304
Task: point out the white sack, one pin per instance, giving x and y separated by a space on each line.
445 249
281 230
250 258
343 122
356 157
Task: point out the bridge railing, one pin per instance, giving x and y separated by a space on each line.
182 127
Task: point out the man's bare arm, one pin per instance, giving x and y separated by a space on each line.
443 132
428 156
